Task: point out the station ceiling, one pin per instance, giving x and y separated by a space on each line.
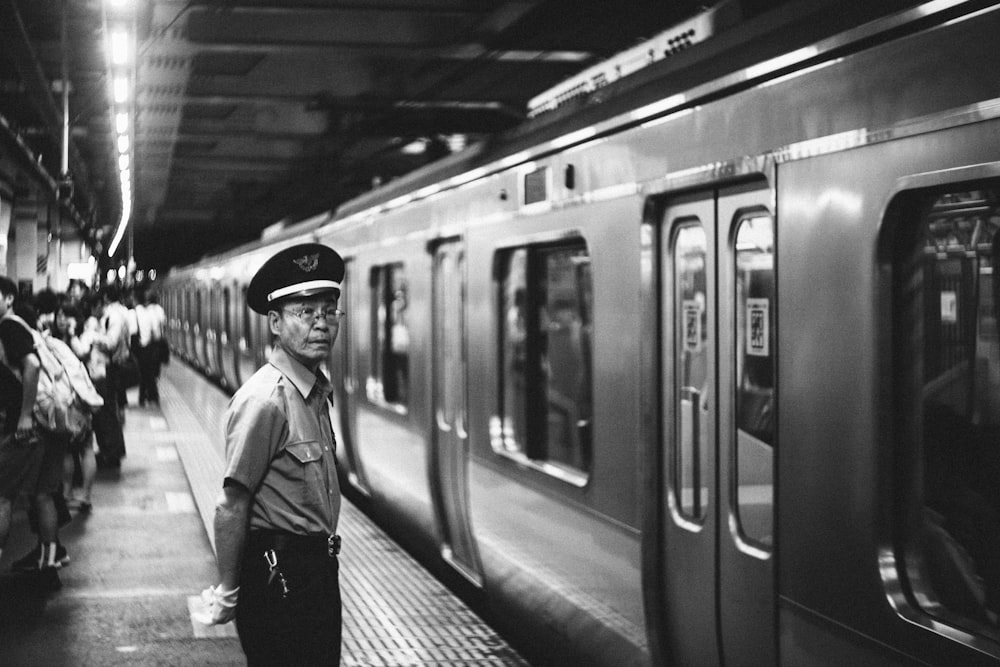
249 112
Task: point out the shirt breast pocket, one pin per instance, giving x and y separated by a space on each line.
307 456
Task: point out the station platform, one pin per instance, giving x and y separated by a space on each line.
141 557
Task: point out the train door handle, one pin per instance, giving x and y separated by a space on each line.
442 423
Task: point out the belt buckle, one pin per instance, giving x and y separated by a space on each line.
333 545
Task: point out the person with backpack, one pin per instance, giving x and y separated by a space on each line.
30 461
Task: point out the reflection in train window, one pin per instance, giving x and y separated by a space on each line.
227 304
691 387
545 330
946 399
246 342
389 381
755 346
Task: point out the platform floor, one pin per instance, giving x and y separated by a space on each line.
140 558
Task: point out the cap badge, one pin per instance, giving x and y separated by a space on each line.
307 262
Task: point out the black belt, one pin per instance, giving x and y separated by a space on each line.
280 540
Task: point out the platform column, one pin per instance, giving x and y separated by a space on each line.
29 227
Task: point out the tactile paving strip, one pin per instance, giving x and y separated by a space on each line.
395 613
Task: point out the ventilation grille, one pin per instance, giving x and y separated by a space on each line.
666 44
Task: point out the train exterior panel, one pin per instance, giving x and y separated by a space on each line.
709 379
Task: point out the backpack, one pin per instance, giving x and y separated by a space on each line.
66 397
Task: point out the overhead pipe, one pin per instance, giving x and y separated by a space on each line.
14 38
64 36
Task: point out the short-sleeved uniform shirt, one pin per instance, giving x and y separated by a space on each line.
280 446
17 342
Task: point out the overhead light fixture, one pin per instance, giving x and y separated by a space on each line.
417 147
120 33
121 90
119 47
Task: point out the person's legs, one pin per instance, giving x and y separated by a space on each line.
107 427
19 465
50 482
88 471
5 511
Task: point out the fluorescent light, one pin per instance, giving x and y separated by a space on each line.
123 162
119 47
516 158
414 147
123 143
121 89
781 62
574 137
665 104
121 123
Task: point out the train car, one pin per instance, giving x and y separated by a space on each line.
703 373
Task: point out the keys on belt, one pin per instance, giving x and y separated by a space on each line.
275 572
333 546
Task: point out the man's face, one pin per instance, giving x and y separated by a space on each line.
308 341
6 303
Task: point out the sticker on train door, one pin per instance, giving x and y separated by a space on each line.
949 307
758 327
692 324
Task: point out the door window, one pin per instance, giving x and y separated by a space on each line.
946 400
690 352
754 377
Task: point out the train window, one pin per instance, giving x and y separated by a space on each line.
545 329
754 378
946 400
390 376
690 352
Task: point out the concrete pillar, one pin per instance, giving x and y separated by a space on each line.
24 270
6 209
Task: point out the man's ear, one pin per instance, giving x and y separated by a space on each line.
274 321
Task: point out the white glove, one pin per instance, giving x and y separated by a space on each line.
219 606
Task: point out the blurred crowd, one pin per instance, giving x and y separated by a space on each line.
118 337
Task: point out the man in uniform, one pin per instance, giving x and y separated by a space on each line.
276 521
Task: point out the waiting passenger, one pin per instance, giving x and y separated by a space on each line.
149 317
28 461
80 460
107 423
113 341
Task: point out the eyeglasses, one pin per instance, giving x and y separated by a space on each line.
307 314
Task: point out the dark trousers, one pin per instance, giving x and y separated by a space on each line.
148 358
300 628
107 427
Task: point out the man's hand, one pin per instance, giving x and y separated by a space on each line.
25 428
220 605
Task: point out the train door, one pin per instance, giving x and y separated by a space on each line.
345 407
717 305
449 460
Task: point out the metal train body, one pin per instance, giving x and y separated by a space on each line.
700 375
